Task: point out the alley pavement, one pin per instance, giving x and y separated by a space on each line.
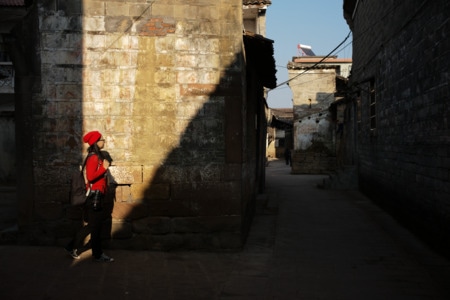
305 243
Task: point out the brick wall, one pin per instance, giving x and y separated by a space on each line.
162 81
401 60
313 129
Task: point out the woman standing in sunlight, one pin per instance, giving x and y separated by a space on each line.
96 173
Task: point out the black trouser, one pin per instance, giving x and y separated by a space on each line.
95 220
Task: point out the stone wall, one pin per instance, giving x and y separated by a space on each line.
400 69
313 128
163 82
314 145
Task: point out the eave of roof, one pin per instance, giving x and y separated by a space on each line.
285 113
257 36
259 52
280 123
256 2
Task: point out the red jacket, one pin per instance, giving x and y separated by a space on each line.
96 173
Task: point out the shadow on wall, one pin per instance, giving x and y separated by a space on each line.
195 149
197 197
320 103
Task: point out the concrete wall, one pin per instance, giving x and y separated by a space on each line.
401 49
165 84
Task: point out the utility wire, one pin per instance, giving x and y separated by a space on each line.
307 69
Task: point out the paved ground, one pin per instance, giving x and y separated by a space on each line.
307 243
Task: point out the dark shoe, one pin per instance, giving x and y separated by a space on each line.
104 258
73 253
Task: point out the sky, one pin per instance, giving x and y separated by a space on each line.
316 23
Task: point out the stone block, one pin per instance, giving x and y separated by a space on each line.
207 224
114 8
153 225
91 58
70 107
136 242
184 11
64 57
228 240
123 194
232 172
164 45
166 242
121 230
94 8
209 198
117 24
48 210
149 173
158 191
108 77
127 77
188 76
94 42
69 91
141 10
163 77
210 61
156 27
129 211
94 23
162 9
74 213
170 208
70 7
196 89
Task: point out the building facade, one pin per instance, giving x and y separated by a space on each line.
399 100
170 86
314 82
279 137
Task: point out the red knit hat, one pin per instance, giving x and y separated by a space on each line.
92 137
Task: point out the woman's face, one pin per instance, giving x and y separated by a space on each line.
101 143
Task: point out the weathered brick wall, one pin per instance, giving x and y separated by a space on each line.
313 130
314 145
405 160
318 85
162 80
312 162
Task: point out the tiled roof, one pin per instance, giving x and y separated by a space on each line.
283 113
256 2
12 2
281 118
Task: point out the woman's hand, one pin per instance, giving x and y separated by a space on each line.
106 164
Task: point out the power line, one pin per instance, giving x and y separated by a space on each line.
325 57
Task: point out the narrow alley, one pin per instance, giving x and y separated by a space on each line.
305 243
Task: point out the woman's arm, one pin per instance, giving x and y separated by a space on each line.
94 168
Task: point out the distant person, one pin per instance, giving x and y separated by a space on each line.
287 156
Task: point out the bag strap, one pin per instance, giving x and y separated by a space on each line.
86 181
